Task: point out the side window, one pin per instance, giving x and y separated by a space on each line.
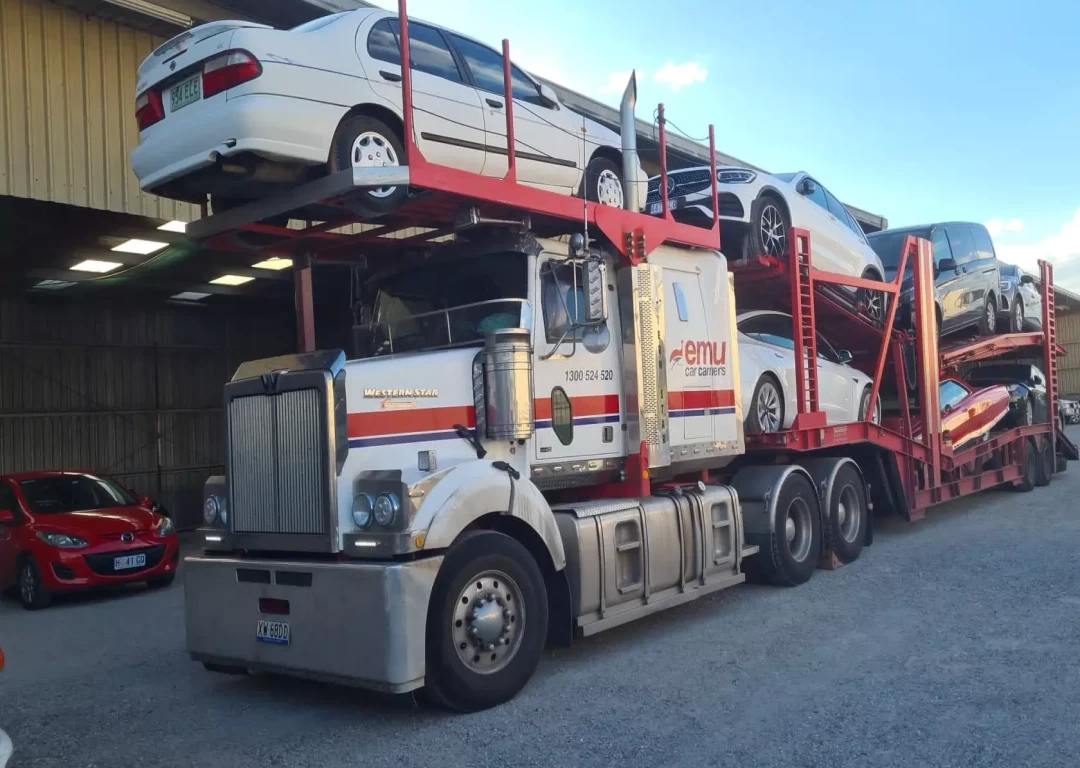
562 295
680 302
427 49
486 66
825 350
984 248
818 196
562 416
963 245
7 499
776 330
940 244
837 209
951 393
858 230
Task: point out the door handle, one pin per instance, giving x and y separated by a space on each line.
494 103
393 77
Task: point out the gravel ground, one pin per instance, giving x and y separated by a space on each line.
952 642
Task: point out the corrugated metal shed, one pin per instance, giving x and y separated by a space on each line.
1068 336
67 83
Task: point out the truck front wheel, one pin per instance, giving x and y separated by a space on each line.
487 621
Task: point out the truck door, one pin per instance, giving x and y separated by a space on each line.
690 354
578 407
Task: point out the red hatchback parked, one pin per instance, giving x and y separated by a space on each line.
63 531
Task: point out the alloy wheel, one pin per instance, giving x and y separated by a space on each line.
991 317
773 232
27 584
768 408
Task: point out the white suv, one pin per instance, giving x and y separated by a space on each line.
757 211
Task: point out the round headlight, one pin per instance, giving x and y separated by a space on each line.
362 504
386 507
210 510
223 510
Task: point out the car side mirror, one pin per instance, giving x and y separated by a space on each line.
946 264
7 517
843 356
806 187
596 311
548 97
1027 279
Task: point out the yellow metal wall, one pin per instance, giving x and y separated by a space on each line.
1068 336
67 95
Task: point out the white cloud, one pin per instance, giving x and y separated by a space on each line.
1062 248
1000 226
679 76
616 83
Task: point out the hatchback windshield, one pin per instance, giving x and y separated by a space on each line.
887 246
73 493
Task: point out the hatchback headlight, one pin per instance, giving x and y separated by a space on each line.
386 509
165 527
62 540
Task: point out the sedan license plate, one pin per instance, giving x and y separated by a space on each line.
655 208
276 632
129 561
187 92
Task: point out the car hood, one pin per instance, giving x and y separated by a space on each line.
99 522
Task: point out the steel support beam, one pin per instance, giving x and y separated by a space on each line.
303 302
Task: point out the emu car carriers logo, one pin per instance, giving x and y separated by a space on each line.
700 358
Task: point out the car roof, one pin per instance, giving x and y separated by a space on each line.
759 313
927 227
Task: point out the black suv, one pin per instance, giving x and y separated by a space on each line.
966 279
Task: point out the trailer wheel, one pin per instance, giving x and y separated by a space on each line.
766 411
1046 462
365 142
795 541
487 622
847 515
1031 467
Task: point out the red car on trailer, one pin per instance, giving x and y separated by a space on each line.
68 531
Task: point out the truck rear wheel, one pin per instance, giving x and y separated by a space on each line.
1046 462
847 515
795 541
487 622
1031 467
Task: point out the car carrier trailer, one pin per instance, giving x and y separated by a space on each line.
429 515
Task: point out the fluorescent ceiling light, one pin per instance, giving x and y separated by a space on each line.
141 247
154 11
275 263
174 226
190 296
93 265
53 285
231 280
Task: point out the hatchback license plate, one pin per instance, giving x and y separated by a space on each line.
187 92
276 632
129 561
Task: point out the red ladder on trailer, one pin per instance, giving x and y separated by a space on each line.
802 310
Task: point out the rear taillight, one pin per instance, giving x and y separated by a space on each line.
148 108
227 70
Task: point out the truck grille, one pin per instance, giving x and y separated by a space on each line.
278 463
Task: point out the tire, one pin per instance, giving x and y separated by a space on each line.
1031 467
1046 462
603 182
32 592
768 230
161 582
461 676
846 518
872 303
864 404
988 321
791 555
363 141
219 204
1016 316
766 412
1027 418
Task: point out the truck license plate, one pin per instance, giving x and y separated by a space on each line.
187 92
276 632
129 561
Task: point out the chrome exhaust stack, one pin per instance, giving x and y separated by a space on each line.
628 132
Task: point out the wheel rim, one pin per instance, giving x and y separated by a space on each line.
1019 316
773 233
991 316
848 514
797 529
488 622
27 587
373 150
768 408
873 304
609 189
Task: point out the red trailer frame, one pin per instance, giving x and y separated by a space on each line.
924 472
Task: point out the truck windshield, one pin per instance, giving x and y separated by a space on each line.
442 305
72 493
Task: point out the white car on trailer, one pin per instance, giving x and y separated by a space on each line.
235 109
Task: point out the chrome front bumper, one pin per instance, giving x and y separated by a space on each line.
360 624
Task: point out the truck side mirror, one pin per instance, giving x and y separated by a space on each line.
596 309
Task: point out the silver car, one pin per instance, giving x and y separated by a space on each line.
1021 303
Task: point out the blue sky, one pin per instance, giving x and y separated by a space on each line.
917 110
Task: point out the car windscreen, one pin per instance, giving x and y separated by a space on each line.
1008 270
72 493
887 245
1000 374
785 176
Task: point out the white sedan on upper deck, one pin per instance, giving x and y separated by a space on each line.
235 109
757 211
